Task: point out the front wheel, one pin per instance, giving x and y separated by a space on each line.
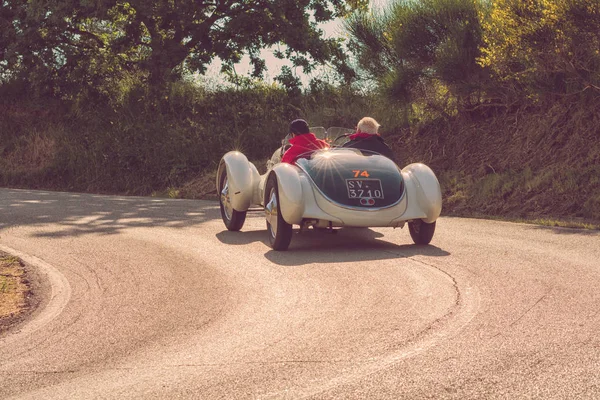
234 220
280 232
421 232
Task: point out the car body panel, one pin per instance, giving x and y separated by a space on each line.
427 190
290 192
343 175
243 179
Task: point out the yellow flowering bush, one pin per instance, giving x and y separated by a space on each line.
543 46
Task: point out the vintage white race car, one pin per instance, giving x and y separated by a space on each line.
337 187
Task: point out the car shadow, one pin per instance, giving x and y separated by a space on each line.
247 237
242 237
346 245
559 230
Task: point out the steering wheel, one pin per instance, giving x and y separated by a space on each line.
333 142
284 148
285 144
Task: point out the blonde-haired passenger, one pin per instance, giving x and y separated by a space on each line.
367 138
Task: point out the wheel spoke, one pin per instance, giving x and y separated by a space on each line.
271 211
226 200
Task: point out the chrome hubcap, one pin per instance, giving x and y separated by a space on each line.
271 210
226 200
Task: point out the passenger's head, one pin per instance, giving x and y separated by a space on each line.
299 127
367 125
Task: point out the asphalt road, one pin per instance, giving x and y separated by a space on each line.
153 298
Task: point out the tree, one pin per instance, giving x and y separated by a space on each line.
544 47
422 51
46 44
164 37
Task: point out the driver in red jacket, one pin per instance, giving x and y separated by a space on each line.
303 142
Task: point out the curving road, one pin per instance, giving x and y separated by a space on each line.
152 298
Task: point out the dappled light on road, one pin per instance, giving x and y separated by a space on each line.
83 214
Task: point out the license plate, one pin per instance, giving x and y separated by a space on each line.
364 189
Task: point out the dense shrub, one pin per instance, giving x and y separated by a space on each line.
422 52
132 141
544 48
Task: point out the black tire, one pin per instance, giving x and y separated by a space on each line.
421 232
234 220
280 233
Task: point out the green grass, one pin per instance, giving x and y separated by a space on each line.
10 260
168 193
8 263
13 287
549 222
551 196
562 224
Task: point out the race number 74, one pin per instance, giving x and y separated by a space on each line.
358 172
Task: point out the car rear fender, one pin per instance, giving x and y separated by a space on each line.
427 192
242 177
291 198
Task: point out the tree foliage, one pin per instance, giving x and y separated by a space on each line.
420 50
54 44
544 47
82 40
455 54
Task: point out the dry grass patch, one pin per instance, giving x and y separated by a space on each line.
562 223
32 152
204 186
14 287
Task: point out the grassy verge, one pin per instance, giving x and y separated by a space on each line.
548 222
14 290
560 224
462 197
202 187
565 197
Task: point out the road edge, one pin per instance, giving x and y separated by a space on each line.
51 290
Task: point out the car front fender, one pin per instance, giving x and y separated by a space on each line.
290 192
242 177
428 191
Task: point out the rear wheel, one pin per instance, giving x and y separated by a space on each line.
421 232
234 220
280 232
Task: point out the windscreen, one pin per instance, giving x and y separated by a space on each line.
330 134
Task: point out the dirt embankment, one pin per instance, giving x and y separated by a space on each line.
529 163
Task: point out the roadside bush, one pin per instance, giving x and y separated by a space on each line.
128 140
422 54
544 48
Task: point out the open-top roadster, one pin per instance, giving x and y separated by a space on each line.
337 187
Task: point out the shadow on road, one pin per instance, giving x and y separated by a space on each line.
347 245
82 214
567 231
